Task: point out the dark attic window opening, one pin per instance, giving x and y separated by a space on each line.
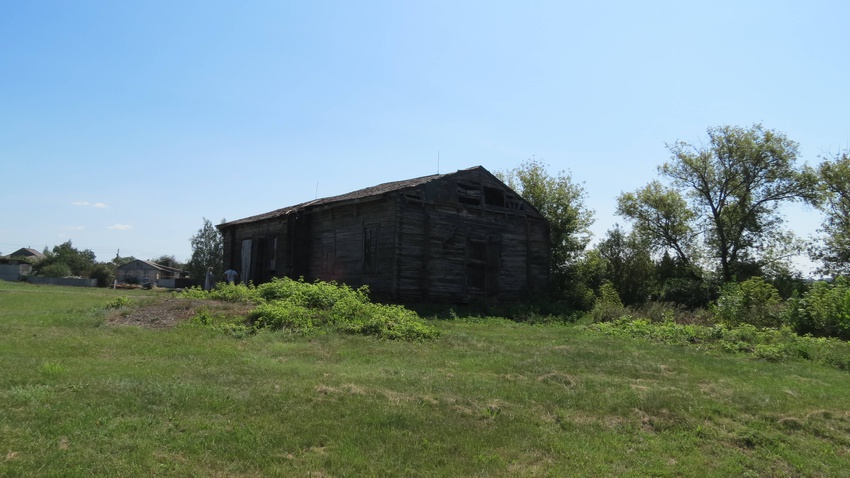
494 197
468 193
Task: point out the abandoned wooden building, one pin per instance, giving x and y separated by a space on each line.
445 237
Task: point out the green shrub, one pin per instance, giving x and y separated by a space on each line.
392 322
282 314
193 292
753 302
823 311
118 302
318 295
299 306
773 345
656 311
608 305
234 293
57 269
104 274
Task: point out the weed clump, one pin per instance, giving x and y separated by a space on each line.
118 302
769 344
302 307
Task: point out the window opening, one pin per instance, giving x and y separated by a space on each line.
482 266
494 197
468 193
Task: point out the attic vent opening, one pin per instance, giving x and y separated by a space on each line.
468 193
494 197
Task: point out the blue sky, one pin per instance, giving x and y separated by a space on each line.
124 124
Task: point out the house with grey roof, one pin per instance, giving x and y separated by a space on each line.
18 265
28 253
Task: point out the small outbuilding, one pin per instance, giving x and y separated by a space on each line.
146 272
445 237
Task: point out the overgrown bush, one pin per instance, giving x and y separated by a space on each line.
235 293
823 311
753 302
300 306
104 274
282 314
57 269
655 311
385 321
773 345
319 295
608 305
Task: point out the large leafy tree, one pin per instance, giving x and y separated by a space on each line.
562 202
65 259
630 267
734 186
207 251
662 218
834 178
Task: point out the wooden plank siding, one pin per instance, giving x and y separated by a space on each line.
450 237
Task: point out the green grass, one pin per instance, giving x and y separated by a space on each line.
81 397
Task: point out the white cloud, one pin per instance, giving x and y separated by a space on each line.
120 227
98 205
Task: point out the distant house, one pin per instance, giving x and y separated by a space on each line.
18 264
146 272
28 253
444 237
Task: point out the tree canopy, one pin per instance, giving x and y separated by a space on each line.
207 251
66 260
729 191
834 180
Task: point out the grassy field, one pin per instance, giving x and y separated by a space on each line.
81 396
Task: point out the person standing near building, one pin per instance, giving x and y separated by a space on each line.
209 282
230 275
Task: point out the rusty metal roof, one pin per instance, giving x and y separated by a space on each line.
371 191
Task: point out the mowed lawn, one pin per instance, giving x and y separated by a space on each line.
80 396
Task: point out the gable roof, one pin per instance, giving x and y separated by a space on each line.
372 191
27 252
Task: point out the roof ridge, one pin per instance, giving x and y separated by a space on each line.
368 191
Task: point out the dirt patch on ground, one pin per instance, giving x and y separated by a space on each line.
167 312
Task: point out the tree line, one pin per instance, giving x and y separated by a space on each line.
711 218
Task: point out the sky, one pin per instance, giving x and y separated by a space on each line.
123 125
